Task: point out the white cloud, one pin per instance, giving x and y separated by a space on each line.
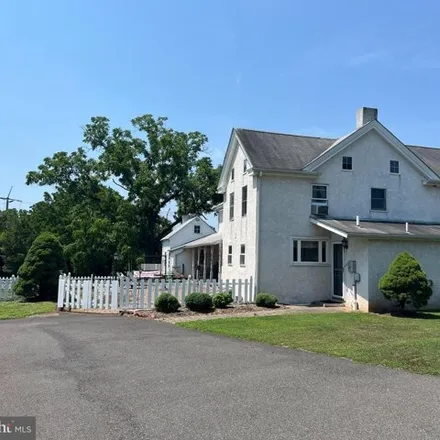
365 58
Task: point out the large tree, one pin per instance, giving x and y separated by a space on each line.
150 168
41 268
16 236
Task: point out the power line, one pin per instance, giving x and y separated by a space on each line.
9 200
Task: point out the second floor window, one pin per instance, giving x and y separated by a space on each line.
319 194
231 206
196 229
347 163
244 200
378 199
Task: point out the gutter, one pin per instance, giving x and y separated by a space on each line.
283 172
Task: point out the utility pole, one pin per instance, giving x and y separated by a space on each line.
9 200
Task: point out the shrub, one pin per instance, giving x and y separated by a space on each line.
221 300
266 300
199 302
166 303
405 282
40 270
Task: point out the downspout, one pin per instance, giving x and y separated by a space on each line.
257 235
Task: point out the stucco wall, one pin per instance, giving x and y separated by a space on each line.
349 191
284 214
357 251
382 253
241 230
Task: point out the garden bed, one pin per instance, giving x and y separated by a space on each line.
236 310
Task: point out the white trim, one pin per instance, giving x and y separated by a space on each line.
257 235
231 152
371 200
324 202
310 263
328 228
343 143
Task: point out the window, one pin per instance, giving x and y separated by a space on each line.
244 165
231 206
242 255
394 166
230 255
232 173
319 194
309 251
244 200
347 163
196 229
378 199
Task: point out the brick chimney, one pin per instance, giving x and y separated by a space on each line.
365 115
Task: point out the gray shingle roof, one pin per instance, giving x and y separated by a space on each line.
384 229
277 151
290 152
429 155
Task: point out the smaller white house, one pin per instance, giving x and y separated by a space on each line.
177 253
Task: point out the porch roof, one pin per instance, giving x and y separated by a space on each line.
374 229
209 240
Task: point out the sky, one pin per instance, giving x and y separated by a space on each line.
281 65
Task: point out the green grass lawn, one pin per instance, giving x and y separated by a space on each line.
412 344
14 309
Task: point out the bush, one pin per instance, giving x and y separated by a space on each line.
198 302
266 300
405 282
40 270
166 303
222 300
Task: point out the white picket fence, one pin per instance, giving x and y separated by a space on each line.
6 288
123 293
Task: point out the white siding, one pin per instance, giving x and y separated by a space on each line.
183 236
284 214
349 191
241 230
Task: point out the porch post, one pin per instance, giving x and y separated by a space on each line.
205 261
198 263
210 263
193 262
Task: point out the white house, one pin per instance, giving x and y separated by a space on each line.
176 259
313 219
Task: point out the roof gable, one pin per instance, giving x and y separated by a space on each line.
181 226
342 143
228 161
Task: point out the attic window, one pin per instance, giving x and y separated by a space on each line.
347 163
232 174
394 166
196 229
244 165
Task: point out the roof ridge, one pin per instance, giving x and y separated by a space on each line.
285 134
423 146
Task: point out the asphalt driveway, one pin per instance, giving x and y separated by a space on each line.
103 378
